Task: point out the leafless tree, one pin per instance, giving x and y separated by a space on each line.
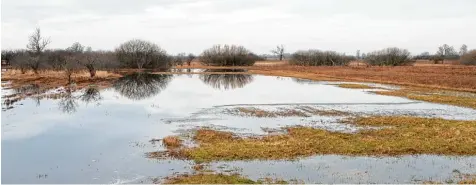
227 55
388 57
445 52
37 43
190 58
314 57
463 50
279 51
469 58
90 60
357 54
76 48
70 66
141 54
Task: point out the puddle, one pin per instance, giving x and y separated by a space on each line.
102 136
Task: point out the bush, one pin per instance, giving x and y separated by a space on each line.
141 54
140 86
469 58
227 56
319 58
388 57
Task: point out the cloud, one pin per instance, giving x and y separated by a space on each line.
192 25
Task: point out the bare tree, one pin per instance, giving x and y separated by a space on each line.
90 60
141 54
279 51
76 48
37 43
463 50
70 66
357 54
190 58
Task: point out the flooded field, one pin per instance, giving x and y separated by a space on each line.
106 135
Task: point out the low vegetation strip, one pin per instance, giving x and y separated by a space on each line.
458 99
201 178
398 136
355 86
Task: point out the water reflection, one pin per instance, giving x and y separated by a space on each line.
226 81
139 86
68 103
91 94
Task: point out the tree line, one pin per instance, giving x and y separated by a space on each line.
141 54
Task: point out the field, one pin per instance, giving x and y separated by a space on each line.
206 124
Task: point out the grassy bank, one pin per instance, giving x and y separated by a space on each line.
400 136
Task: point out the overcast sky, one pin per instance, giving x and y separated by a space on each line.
259 25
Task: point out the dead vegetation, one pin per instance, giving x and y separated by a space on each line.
220 178
171 142
400 136
355 86
301 111
444 97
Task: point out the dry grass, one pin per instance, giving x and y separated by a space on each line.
443 97
53 79
355 86
404 135
171 142
220 178
208 179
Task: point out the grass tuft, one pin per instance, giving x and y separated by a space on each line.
172 142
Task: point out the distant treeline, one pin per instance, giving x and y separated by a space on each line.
141 54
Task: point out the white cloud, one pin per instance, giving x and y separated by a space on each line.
191 25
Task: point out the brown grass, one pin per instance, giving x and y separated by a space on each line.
401 136
443 97
355 86
220 178
172 142
53 79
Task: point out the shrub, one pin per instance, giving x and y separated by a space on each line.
141 54
319 58
388 57
227 55
469 58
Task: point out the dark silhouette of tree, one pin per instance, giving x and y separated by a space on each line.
227 55
226 81
190 58
140 86
141 54
388 57
279 51
463 50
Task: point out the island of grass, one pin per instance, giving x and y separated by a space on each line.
398 135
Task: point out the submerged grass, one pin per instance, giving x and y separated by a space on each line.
402 135
301 111
443 97
355 86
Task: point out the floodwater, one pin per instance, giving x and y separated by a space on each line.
102 136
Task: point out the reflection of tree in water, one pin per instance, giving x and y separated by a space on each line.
226 81
31 90
68 102
140 86
91 94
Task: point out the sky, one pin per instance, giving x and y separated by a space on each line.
259 25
